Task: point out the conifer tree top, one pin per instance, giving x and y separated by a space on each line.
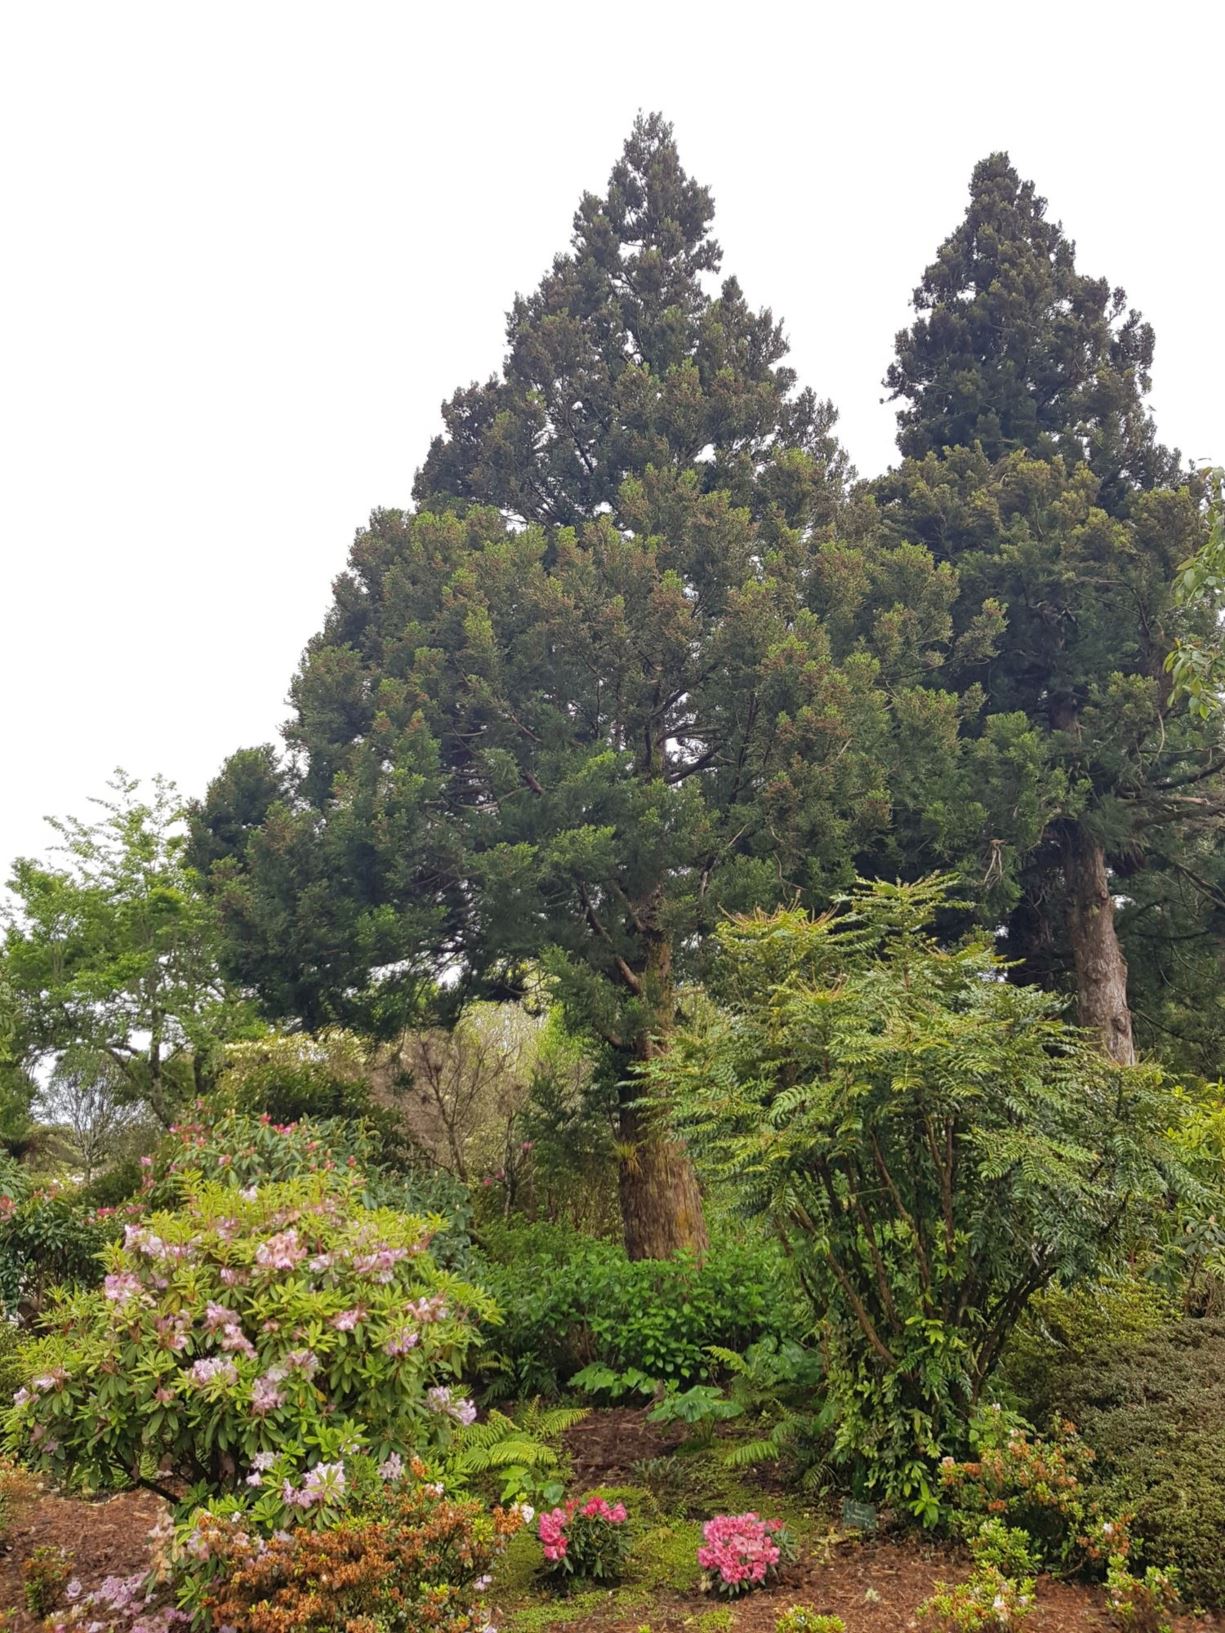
1014 349
623 358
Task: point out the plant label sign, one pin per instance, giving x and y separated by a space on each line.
858 1516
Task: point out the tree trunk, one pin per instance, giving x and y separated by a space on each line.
661 1205
1101 969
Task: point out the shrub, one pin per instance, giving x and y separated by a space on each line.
933 1141
46 1240
286 1319
587 1540
411 1558
567 1301
1004 1548
799 1619
1026 1487
44 1577
740 1552
1154 1413
247 1150
987 1601
1141 1604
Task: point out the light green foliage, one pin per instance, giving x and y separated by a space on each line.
988 1602
113 952
516 1456
933 1142
800 1619
287 1319
1141 1604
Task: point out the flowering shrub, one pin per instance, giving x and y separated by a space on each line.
284 1322
741 1551
1034 1485
1141 1604
987 1601
586 1540
409 1558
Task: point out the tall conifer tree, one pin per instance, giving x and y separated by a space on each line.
607 681
1034 469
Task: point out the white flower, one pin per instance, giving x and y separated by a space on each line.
527 1513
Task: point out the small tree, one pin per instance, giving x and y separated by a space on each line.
113 951
932 1141
86 1099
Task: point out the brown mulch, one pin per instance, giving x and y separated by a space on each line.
605 1445
107 1538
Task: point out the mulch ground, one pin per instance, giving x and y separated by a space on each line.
108 1538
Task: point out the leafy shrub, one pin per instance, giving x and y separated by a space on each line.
247 1150
44 1577
114 1186
799 1619
568 1301
48 1239
987 1601
586 1540
1141 1604
14 1370
411 1558
740 1552
1029 1485
933 1141
516 1456
1004 1548
1154 1413
286 1319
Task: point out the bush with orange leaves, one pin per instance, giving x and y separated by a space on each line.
1038 1484
410 1560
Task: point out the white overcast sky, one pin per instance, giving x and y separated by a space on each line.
248 248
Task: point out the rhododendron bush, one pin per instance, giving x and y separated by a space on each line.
260 1323
585 1539
740 1552
393 1549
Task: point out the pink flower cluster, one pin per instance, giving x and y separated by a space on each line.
280 1252
440 1399
739 1550
325 1483
552 1528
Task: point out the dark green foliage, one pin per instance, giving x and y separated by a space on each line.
933 1142
46 1241
1013 348
1034 470
567 1301
1154 1413
14 1371
118 1184
621 361
573 743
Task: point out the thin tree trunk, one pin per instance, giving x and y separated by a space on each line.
661 1205
1101 969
